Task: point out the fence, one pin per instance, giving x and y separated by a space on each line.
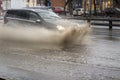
110 21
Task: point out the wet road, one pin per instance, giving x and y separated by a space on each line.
99 59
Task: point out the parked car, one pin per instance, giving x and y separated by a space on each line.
78 11
109 12
59 10
112 12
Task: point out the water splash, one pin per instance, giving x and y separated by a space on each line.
71 34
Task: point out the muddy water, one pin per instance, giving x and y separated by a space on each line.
96 61
23 60
21 50
42 36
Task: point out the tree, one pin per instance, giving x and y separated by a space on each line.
90 7
94 2
46 1
68 2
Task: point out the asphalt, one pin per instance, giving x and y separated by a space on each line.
97 58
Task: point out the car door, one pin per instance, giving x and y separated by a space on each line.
34 20
10 18
23 18
29 19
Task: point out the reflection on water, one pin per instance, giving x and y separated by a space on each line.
111 38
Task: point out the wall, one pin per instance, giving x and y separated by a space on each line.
18 3
6 4
58 3
32 3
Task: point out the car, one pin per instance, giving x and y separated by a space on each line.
44 19
112 12
78 11
109 11
59 10
33 17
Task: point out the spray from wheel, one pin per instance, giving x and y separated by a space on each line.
42 36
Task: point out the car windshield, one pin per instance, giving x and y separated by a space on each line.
41 7
48 15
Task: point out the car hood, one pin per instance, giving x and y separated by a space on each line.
64 23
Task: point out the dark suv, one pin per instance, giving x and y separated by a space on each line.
112 12
31 17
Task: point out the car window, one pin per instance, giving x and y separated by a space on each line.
17 14
11 14
48 15
41 7
33 16
22 15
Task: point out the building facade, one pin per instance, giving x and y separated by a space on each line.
98 4
58 3
91 4
87 4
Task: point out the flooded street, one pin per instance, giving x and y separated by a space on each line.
97 58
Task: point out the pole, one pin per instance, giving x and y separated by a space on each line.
110 25
85 8
6 4
1 9
95 7
90 7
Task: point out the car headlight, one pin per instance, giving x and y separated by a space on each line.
61 28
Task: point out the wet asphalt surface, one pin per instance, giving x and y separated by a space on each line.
99 59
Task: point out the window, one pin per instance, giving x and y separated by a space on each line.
22 15
33 16
17 14
11 14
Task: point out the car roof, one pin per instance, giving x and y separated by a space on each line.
39 7
28 9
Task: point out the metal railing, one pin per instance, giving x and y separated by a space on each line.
110 21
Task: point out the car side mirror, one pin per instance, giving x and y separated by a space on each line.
38 21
